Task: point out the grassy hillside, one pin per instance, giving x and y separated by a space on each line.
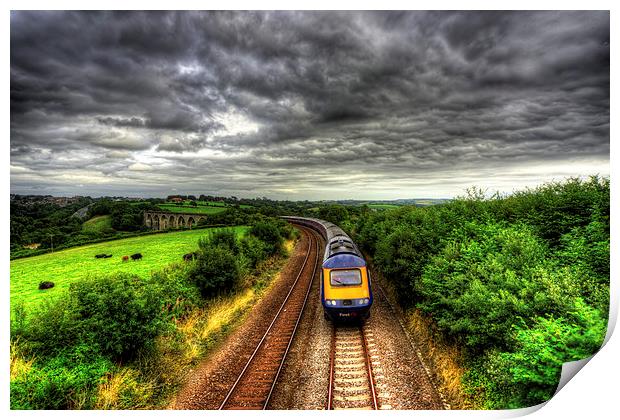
67 266
97 224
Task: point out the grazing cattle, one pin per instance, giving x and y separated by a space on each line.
107 256
46 285
100 256
190 256
137 256
125 258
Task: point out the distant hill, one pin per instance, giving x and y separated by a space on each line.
386 204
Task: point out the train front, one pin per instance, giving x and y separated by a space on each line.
345 287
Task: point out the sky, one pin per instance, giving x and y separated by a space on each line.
306 105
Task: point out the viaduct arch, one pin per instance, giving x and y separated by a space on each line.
163 220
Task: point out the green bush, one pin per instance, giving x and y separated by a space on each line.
119 314
216 270
254 250
224 238
288 231
270 234
403 254
475 287
556 208
115 316
587 246
529 373
334 213
50 329
177 293
66 381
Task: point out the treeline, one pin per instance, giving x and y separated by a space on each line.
55 227
520 283
63 353
126 216
47 224
52 226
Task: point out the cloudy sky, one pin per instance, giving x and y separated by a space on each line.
306 105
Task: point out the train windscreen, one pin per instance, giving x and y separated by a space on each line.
345 277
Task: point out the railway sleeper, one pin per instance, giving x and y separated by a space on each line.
246 397
254 390
352 389
349 366
352 398
357 380
263 381
353 376
350 360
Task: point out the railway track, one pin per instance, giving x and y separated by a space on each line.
351 379
254 386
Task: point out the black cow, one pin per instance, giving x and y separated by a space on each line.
100 256
137 256
46 285
190 256
107 256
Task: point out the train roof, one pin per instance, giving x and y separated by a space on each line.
344 261
337 241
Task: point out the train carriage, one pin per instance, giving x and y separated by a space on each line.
346 291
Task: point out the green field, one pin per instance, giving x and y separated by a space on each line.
70 265
193 210
203 207
97 224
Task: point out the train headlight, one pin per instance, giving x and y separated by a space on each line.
363 301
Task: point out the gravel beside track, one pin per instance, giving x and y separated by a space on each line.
405 384
208 384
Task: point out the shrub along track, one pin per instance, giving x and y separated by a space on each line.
243 372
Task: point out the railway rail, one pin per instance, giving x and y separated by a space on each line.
255 384
351 379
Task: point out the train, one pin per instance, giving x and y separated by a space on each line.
346 292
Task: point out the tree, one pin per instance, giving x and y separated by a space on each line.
216 270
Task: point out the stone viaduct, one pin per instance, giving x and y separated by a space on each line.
162 220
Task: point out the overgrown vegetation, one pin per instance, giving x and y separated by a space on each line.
107 342
519 283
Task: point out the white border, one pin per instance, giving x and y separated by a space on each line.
592 394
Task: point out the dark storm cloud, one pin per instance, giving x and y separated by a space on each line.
276 103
